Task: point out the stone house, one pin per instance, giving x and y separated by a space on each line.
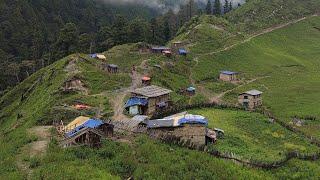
189 129
250 99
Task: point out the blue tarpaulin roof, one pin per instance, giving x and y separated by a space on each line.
182 51
191 88
136 101
193 119
93 55
228 72
91 123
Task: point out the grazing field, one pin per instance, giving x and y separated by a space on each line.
141 159
252 136
286 65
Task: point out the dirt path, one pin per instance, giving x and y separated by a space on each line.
118 97
217 99
34 149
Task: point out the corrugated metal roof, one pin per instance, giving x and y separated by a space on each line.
253 92
152 91
160 123
161 48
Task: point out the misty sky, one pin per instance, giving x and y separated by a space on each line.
158 4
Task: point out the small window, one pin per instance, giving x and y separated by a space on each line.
245 97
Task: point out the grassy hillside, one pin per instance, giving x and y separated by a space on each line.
287 60
260 14
283 64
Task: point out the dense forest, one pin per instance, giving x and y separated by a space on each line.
35 33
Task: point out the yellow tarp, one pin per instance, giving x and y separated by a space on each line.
101 56
75 123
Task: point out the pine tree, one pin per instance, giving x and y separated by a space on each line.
226 7
217 7
209 7
230 6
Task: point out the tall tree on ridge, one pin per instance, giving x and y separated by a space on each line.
217 8
209 7
226 7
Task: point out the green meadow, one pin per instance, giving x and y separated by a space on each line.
251 136
285 64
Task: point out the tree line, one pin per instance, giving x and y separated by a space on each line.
36 33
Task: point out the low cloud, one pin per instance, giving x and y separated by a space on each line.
162 4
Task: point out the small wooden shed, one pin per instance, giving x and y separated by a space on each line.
112 68
228 76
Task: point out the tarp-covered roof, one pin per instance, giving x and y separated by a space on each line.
152 91
182 51
146 78
177 121
77 122
101 56
193 119
134 101
191 89
91 123
93 55
228 72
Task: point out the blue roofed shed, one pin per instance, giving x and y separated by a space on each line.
136 105
228 76
182 52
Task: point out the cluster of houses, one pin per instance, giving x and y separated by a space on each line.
250 99
177 48
149 99
111 68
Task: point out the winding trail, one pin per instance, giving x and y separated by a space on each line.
217 99
118 97
265 31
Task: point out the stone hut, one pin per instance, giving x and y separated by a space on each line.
190 129
251 99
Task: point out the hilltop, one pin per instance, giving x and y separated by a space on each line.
279 57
